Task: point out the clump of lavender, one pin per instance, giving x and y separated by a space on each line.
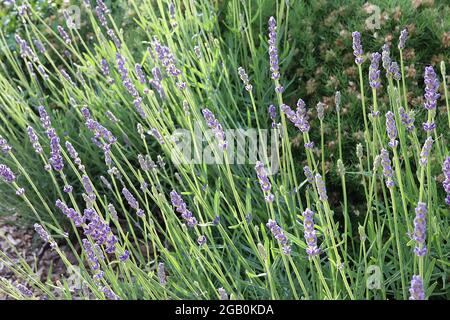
264 181
244 77
446 182
357 48
181 207
407 119
44 235
64 35
216 127
310 234
416 291
391 129
70 213
387 169
425 153
374 72
277 232
420 225
168 61
402 39
273 53
4 145
321 189
99 230
431 88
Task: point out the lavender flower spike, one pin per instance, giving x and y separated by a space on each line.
216 127
407 119
309 175
273 53
321 189
64 35
387 169
416 289
402 39
34 140
357 48
181 207
310 234
391 129
420 225
56 159
130 198
244 77
264 181
4 146
431 88
279 235
425 153
162 274
446 182
6 174
44 235
374 72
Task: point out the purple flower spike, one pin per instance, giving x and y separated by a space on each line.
34 140
385 58
216 127
416 290
125 256
273 53
394 71
6 174
420 226
309 175
310 234
181 207
244 77
391 129
162 274
446 182
201 240
387 169
402 39
64 35
425 153
264 181
374 72
44 235
299 118
130 199
357 47
56 159
4 146
278 233
407 119
320 110
431 88
70 213
321 189
88 187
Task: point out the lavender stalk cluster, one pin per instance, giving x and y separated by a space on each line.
416 291
387 168
216 127
278 233
273 53
420 229
310 234
99 230
425 153
264 181
298 118
357 48
181 207
391 129
446 182
167 59
374 72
